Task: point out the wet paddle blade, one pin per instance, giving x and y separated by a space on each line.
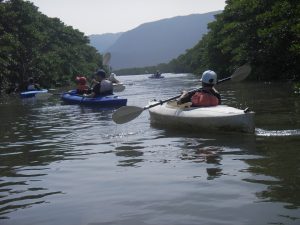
241 73
126 114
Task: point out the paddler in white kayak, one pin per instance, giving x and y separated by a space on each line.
206 96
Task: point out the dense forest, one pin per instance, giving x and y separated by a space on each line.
34 45
265 33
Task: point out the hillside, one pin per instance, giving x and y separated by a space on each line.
158 42
103 41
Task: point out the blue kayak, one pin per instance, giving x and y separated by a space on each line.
110 101
30 94
155 77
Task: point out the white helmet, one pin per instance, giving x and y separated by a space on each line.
209 77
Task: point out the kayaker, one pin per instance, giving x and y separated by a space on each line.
82 88
205 96
102 87
32 86
157 74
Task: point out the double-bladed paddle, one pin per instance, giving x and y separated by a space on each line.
128 113
106 58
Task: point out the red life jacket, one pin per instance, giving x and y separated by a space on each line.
204 99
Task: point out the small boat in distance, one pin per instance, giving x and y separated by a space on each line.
157 75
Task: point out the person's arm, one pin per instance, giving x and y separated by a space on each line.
217 94
95 91
185 97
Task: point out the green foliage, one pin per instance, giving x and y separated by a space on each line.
265 33
33 45
297 87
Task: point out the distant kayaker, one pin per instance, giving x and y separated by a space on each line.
157 74
205 96
102 87
82 87
32 86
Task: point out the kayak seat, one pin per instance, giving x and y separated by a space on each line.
181 106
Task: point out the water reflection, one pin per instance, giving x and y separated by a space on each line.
133 153
56 157
273 161
30 197
210 155
34 136
280 169
213 151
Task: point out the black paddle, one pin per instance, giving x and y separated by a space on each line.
128 113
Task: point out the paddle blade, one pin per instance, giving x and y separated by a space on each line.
241 73
106 58
126 114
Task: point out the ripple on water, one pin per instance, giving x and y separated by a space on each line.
277 133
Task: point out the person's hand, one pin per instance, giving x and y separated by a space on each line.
184 92
94 81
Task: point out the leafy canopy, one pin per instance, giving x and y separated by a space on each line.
34 45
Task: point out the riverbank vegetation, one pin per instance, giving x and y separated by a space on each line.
265 33
34 45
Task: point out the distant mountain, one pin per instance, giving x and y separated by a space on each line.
157 42
103 41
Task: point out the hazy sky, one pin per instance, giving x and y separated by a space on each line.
112 16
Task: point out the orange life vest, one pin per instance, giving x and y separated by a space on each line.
204 99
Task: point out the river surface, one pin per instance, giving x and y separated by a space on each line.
70 165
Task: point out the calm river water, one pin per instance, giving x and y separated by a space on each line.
70 165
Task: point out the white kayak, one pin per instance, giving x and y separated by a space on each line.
219 117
